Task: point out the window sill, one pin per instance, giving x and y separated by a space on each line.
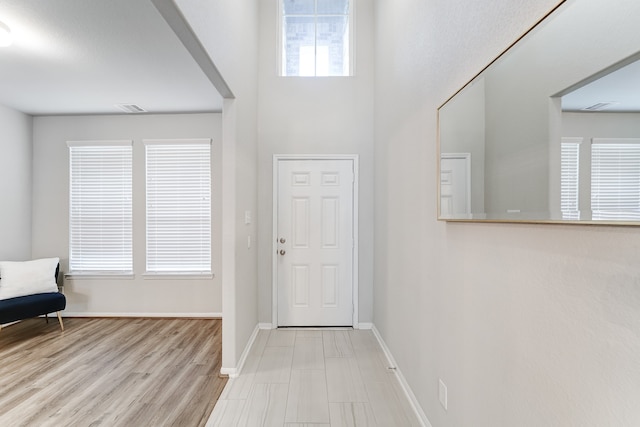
176 276
292 76
101 276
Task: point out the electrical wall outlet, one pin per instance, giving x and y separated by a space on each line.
442 394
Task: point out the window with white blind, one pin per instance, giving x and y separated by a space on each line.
100 213
316 37
615 178
570 178
178 189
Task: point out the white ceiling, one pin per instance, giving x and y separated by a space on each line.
86 56
621 88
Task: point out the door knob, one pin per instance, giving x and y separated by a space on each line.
282 240
282 252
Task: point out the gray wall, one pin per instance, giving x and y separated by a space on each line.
228 29
527 325
518 90
15 185
51 213
601 125
462 130
301 115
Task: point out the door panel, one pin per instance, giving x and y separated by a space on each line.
315 242
455 199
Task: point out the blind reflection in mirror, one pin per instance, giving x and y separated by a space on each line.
550 131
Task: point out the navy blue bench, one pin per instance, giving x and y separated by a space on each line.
25 307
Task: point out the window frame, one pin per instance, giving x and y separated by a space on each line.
600 160
281 46
101 272
570 177
177 273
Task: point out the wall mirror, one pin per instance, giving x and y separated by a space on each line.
550 130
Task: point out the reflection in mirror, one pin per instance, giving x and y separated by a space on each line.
600 147
550 131
455 182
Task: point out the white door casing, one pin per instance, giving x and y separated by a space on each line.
455 185
315 241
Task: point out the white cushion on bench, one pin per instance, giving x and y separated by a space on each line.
19 278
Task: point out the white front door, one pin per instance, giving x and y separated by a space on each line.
315 243
455 194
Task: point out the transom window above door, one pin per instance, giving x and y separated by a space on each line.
316 38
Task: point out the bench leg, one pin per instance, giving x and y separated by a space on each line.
60 320
46 317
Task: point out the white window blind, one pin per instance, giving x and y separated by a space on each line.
570 178
178 206
615 178
100 220
316 37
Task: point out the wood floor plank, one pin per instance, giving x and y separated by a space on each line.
307 399
308 353
238 388
110 372
353 414
226 413
306 425
373 367
387 407
364 342
275 366
308 333
352 386
344 383
266 406
281 338
337 344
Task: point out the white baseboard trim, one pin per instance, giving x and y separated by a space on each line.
154 315
365 325
4 325
422 417
230 372
235 372
265 325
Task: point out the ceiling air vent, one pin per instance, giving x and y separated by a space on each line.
600 106
131 108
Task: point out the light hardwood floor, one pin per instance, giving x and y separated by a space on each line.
316 378
110 372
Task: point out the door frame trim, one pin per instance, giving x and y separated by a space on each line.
467 159
274 257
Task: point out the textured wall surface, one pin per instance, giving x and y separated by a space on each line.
15 185
51 213
303 115
527 325
228 30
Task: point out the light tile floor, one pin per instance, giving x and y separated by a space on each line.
314 377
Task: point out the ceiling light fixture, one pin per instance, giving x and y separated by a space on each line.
5 35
